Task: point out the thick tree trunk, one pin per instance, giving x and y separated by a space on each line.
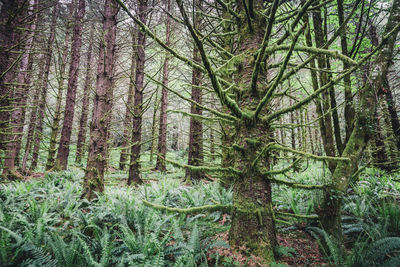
162 135
60 88
85 103
252 220
134 165
63 148
129 107
47 62
19 100
94 177
12 16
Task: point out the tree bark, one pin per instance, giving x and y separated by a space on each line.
63 148
162 135
12 15
94 176
349 112
330 210
55 126
47 62
19 99
196 156
134 165
85 103
327 133
129 107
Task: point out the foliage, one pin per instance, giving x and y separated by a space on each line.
45 223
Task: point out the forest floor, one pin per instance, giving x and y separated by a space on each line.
43 221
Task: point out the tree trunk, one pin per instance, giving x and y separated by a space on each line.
162 135
47 62
349 112
94 176
252 221
12 16
327 134
19 100
134 166
85 103
55 126
196 156
63 148
330 212
129 107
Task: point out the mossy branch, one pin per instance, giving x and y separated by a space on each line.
224 98
147 31
193 210
199 117
213 111
308 155
201 168
288 168
299 216
296 185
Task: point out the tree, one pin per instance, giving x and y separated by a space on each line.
19 100
55 126
330 213
44 77
162 135
85 102
12 15
134 164
129 107
195 156
63 148
95 168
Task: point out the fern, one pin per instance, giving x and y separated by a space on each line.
382 251
38 257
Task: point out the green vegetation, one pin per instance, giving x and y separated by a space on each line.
44 221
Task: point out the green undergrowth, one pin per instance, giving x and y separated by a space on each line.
45 223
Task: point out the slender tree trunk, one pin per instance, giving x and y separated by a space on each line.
63 148
129 107
19 100
134 165
349 112
94 177
154 125
60 88
394 118
327 134
47 62
196 156
12 16
162 135
85 103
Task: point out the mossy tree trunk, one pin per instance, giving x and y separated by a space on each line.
129 108
330 212
136 141
85 102
19 98
55 126
95 168
66 131
162 134
252 219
